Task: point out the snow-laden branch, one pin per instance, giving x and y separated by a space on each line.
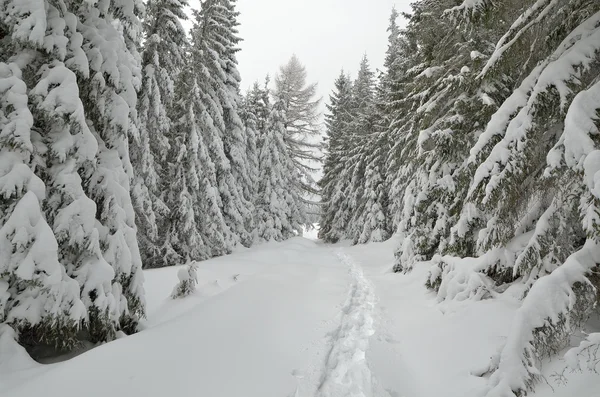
576 53
550 301
536 13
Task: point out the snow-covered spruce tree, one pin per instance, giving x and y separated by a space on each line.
162 59
279 209
188 278
374 217
392 118
255 115
529 209
251 131
80 68
399 109
334 181
535 179
237 140
448 107
214 39
196 227
360 136
111 33
302 124
376 220
37 298
349 211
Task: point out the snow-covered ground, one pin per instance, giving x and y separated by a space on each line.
294 319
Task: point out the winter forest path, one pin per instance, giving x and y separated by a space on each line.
291 319
275 320
346 370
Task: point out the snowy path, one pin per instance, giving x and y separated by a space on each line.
293 319
343 371
258 316
347 372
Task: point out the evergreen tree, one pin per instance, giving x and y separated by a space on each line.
360 133
238 145
527 176
448 107
376 218
197 230
36 295
333 183
163 58
109 97
279 209
534 178
249 114
188 278
352 182
80 71
214 38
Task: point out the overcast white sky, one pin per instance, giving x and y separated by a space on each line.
327 35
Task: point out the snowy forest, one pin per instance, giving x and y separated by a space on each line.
127 143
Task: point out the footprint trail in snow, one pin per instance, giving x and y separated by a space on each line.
346 372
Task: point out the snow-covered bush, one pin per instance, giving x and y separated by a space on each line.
188 278
461 278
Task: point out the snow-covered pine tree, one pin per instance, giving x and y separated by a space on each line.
183 240
162 59
348 211
376 220
251 119
374 217
188 278
335 178
399 108
258 108
535 178
389 99
279 209
360 135
111 36
214 37
236 141
394 57
447 108
80 69
37 298
196 226
302 124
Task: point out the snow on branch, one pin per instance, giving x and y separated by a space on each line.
29 19
576 142
16 122
577 52
588 353
462 278
530 17
541 322
467 7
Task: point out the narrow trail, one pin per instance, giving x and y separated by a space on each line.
346 372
